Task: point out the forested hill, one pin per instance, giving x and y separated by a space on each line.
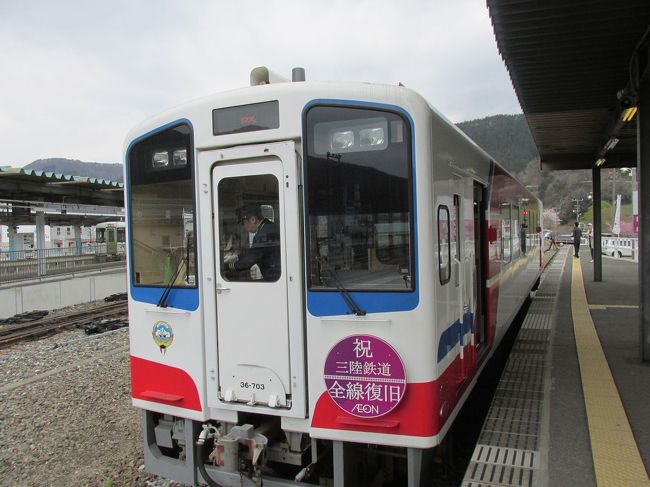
504 137
507 139
73 167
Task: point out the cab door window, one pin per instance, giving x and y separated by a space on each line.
250 247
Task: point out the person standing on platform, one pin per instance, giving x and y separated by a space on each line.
590 235
577 236
552 242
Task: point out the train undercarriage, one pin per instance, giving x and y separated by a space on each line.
259 452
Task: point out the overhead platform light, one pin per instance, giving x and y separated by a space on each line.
611 143
628 114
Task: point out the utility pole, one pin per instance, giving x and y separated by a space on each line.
577 201
614 188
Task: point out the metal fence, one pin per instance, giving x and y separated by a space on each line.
621 247
18 265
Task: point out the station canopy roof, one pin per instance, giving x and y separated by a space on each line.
568 60
66 199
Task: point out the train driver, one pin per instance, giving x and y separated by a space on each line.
260 253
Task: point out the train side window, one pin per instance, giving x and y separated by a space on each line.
514 232
444 240
506 218
530 230
457 222
524 231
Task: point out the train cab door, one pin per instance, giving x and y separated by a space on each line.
259 330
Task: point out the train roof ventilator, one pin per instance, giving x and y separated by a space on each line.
264 76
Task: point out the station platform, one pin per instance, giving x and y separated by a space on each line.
572 407
61 290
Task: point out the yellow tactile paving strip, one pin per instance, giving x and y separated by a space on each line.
616 458
603 307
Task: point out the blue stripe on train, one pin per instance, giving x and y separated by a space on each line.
331 303
180 298
453 335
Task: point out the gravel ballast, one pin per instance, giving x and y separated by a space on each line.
66 417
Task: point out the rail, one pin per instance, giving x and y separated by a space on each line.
51 324
20 265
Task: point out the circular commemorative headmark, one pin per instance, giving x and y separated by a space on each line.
365 376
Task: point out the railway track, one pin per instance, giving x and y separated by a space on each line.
52 324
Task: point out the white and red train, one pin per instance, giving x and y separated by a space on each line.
318 273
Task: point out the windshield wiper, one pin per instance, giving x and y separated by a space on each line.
354 307
162 302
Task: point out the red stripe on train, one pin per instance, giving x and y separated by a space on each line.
152 381
423 411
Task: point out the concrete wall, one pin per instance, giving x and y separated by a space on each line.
58 292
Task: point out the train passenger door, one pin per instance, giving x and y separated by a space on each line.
470 280
111 240
463 280
259 334
480 265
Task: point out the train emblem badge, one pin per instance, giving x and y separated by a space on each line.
365 376
163 335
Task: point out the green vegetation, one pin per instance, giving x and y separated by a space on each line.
508 140
607 211
504 137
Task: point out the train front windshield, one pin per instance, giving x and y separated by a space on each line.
161 194
359 200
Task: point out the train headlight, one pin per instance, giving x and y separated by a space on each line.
160 160
371 137
179 158
342 140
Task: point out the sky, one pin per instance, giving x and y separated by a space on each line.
77 75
